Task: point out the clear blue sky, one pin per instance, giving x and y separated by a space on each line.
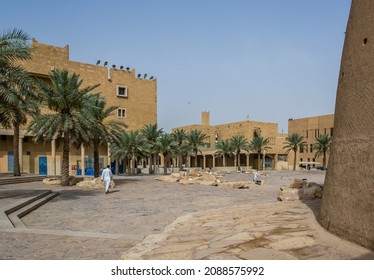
270 60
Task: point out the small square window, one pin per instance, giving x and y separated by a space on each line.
121 113
121 91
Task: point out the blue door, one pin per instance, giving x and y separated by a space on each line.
10 161
42 165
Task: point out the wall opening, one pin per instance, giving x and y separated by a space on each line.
365 41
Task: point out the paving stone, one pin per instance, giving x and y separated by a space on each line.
293 243
148 219
266 254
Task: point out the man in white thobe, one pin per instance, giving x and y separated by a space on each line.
255 178
107 176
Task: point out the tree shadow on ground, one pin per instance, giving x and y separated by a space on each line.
20 193
78 193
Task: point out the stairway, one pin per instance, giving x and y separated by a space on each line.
7 180
21 209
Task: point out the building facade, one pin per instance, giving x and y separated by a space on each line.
310 128
135 95
249 129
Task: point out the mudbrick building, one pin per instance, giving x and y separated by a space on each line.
310 128
275 157
134 94
348 196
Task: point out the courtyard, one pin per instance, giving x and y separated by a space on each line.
143 218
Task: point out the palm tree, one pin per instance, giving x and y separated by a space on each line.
118 148
186 151
70 116
322 146
129 146
151 133
293 142
224 148
167 147
239 143
103 131
17 114
259 144
179 136
17 98
196 139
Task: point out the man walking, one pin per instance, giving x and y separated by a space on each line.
107 176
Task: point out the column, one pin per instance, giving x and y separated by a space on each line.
275 160
109 161
214 161
83 167
53 153
247 160
263 160
20 152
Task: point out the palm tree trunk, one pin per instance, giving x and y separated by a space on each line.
196 160
125 165
324 160
294 162
133 164
117 167
16 165
65 161
258 160
96 158
150 164
180 163
238 161
224 160
165 164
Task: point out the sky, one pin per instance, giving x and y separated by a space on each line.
262 60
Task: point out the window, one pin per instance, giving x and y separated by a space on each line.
301 149
331 131
121 91
121 113
311 149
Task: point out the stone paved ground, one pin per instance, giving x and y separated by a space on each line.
146 219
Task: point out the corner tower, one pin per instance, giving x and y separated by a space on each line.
347 208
